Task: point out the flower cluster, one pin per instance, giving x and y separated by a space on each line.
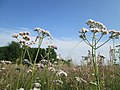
27 62
114 34
61 72
97 27
23 38
94 24
53 47
43 32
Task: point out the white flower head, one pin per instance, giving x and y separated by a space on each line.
37 29
51 69
95 30
84 30
26 37
29 71
37 85
61 72
45 33
104 32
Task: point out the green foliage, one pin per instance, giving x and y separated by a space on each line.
13 51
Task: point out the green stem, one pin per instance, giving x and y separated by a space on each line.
99 39
33 69
40 42
29 56
21 58
95 61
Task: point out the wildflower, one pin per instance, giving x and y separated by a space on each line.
112 31
89 22
44 62
37 85
104 32
43 32
27 62
95 30
51 69
37 29
61 72
26 37
32 42
27 33
40 66
83 36
53 47
83 30
29 71
22 33
15 35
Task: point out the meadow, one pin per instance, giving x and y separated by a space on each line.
59 74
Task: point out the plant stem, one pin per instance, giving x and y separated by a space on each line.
33 69
95 61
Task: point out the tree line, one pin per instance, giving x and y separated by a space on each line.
12 52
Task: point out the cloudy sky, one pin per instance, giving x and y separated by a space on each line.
63 18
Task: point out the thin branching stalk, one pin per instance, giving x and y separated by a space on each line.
103 43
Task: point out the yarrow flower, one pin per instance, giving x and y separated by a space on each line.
84 30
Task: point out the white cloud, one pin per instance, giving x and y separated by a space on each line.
75 49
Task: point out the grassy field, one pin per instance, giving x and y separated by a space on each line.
58 77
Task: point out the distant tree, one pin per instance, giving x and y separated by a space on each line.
13 51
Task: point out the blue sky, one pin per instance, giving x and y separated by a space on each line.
63 18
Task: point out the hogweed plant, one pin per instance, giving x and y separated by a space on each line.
98 31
